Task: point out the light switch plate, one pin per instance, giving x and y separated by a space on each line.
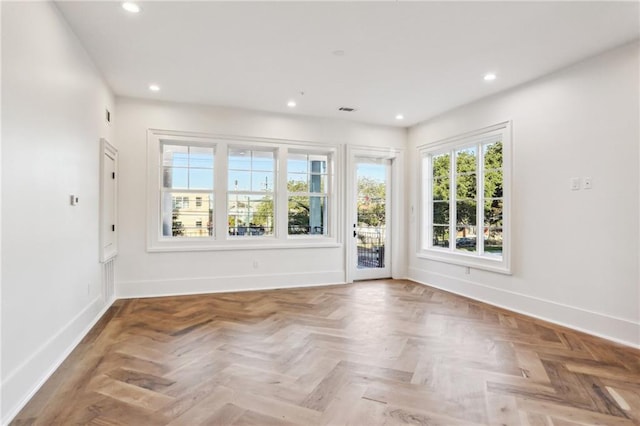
574 183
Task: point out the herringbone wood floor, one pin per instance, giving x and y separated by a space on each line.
380 352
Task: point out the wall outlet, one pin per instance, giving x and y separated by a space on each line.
586 183
256 264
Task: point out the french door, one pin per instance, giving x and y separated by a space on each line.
371 222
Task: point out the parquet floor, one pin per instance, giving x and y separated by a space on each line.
378 352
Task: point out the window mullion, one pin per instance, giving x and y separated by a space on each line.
281 197
480 197
220 203
427 203
452 200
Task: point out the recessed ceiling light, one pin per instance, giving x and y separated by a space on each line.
489 77
399 117
154 87
131 7
291 104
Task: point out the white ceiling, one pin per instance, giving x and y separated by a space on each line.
417 59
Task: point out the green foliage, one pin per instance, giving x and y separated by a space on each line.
298 214
371 202
263 215
493 156
441 165
441 212
466 187
298 208
493 179
466 160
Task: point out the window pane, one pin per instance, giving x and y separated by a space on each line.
440 236
262 161
493 241
466 212
239 181
307 215
441 213
466 238
493 212
175 177
318 163
441 164
441 189
466 160
297 182
201 178
239 159
175 155
307 173
201 157
317 183
493 156
262 181
180 214
297 163
493 184
466 186
250 215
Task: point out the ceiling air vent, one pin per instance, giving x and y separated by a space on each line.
346 109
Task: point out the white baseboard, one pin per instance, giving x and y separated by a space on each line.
608 327
186 286
23 382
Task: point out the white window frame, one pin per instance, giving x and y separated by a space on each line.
326 194
449 254
251 192
221 240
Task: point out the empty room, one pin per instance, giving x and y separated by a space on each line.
320 213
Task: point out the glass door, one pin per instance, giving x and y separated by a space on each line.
371 228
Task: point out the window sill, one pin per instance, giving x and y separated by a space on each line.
500 266
232 245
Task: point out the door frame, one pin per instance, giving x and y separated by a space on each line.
107 253
394 248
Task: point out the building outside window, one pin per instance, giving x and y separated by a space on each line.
250 192
187 171
307 193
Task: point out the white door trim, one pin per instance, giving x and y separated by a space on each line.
396 227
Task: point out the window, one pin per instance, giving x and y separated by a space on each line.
220 193
186 171
465 199
250 192
307 193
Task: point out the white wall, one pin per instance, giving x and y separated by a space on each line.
53 103
575 253
140 273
